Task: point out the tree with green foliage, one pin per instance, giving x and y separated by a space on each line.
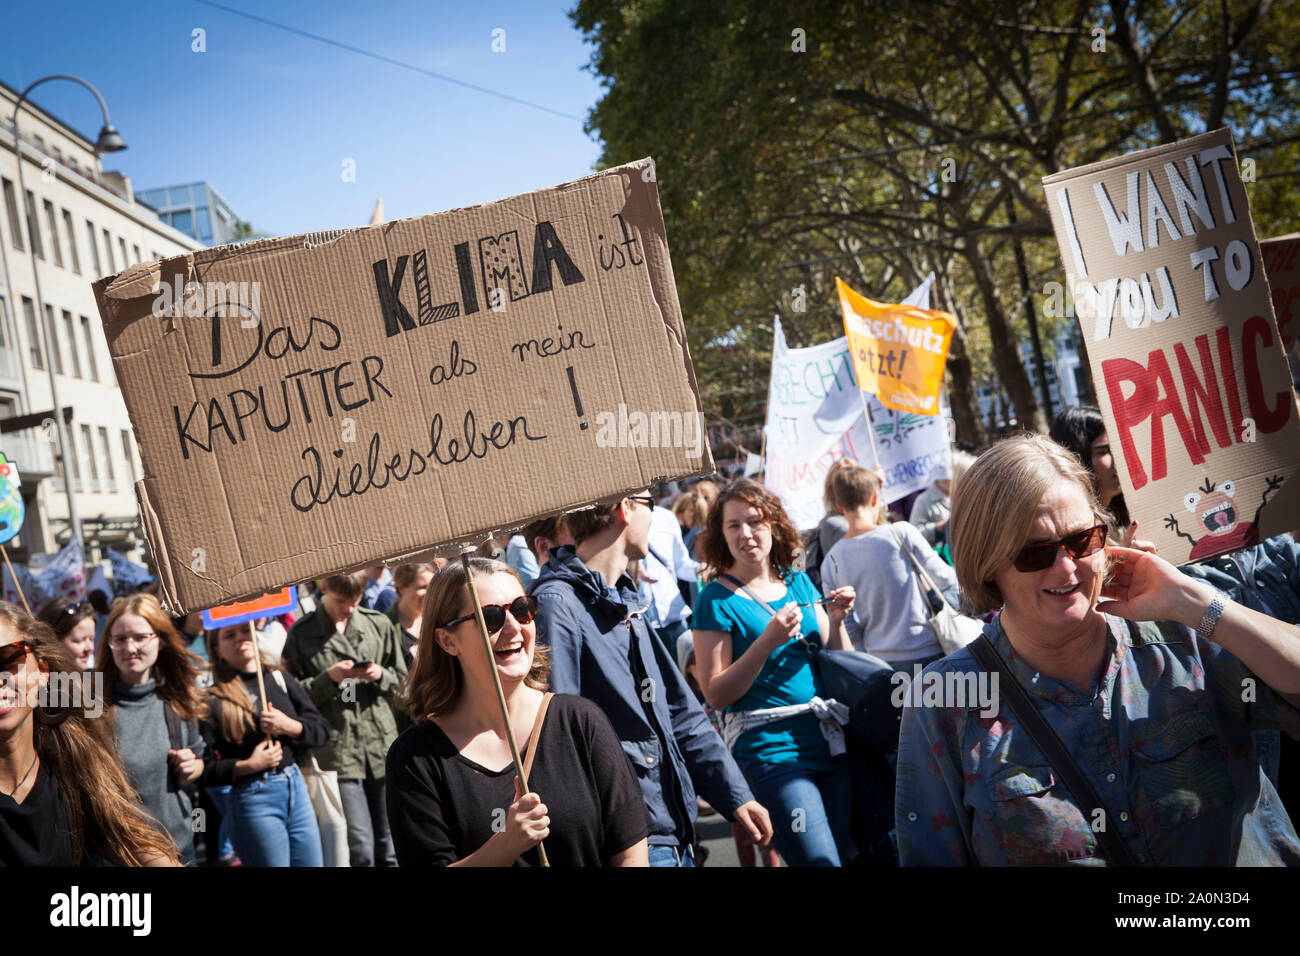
881 142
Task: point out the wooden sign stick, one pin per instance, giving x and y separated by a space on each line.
5 552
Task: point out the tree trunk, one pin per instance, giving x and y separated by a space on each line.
962 396
1006 354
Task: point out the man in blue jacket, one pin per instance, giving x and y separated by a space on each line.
602 649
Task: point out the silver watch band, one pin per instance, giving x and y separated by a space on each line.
1205 627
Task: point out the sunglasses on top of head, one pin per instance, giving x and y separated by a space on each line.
523 609
1081 544
11 655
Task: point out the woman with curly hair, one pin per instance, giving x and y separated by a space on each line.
155 707
64 798
753 629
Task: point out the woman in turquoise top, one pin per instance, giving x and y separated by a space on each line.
750 627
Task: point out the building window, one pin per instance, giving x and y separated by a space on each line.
136 250
72 241
184 222
34 226
15 227
122 245
90 351
70 332
7 341
54 232
57 355
94 249
33 334
92 460
110 472
40 143
130 458
74 458
108 252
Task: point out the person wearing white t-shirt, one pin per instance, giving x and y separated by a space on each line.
890 618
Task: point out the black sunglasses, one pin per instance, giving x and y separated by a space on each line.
11 655
647 500
523 609
1081 544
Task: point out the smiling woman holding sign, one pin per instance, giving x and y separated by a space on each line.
447 805
1115 742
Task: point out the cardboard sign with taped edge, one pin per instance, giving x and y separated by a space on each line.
1170 293
314 404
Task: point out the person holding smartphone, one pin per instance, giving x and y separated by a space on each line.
350 660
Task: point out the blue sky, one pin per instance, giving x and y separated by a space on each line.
269 117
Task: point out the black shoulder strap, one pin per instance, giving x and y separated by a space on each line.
173 726
748 593
1047 741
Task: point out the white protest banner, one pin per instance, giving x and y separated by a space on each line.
1170 292
127 575
99 582
65 575
25 586
814 416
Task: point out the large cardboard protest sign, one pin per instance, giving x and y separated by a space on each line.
1282 267
1172 298
317 403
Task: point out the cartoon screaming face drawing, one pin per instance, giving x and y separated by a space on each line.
1215 508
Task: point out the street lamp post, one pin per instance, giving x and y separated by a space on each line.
109 142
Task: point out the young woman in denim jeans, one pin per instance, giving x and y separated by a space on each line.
269 811
754 666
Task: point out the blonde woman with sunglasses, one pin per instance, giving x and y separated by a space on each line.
453 796
1117 733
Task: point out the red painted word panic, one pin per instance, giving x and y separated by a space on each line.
1209 395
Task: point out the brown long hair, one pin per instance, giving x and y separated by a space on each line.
435 684
176 670
711 545
79 751
237 716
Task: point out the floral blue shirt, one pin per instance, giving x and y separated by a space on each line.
1164 738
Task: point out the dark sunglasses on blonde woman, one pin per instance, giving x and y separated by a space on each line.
1081 544
523 609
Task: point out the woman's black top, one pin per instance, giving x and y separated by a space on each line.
36 831
443 806
295 703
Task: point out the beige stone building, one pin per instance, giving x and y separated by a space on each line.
87 224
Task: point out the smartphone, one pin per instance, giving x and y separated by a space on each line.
361 665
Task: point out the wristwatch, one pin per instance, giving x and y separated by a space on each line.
1205 627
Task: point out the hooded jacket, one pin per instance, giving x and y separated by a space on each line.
602 649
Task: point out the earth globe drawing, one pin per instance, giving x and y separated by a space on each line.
12 510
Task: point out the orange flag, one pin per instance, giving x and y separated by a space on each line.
899 351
